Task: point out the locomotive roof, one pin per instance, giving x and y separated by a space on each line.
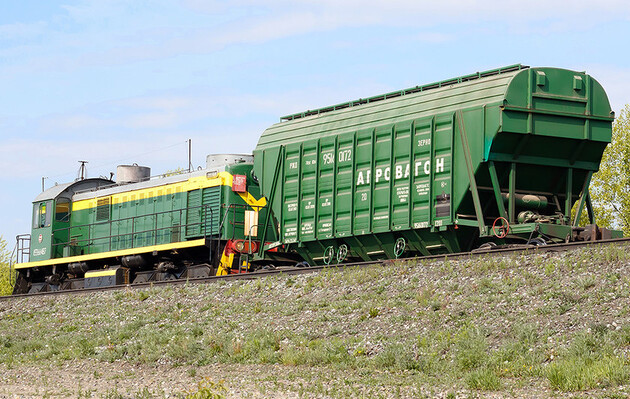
218 164
121 188
71 188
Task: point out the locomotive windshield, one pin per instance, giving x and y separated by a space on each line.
42 215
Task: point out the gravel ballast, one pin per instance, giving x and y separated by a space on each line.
527 325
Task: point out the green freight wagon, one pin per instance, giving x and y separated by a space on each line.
494 157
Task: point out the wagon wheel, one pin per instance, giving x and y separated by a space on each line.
399 247
329 255
342 253
537 241
502 230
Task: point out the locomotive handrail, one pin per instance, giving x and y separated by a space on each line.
274 184
202 224
206 222
21 251
18 254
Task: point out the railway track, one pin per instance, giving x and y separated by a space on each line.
304 270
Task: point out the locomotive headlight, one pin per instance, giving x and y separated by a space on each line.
239 246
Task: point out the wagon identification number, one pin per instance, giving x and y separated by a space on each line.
328 158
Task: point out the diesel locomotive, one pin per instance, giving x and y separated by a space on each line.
492 158
97 232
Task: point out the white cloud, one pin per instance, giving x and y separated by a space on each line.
153 121
58 160
22 30
434 37
283 18
130 31
74 122
405 12
170 111
99 11
162 102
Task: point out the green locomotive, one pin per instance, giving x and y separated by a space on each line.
491 158
95 232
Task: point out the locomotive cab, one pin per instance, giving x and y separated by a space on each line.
50 222
41 234
51 218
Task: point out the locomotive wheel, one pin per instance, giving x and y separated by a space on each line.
22 285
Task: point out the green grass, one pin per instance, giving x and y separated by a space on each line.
488 324
483 378
592 360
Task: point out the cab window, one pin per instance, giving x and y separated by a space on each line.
42 214
62 210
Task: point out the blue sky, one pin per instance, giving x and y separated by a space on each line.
115 81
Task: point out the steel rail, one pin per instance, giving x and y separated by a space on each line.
526 249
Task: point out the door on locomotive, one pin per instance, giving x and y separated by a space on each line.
41 234
50 233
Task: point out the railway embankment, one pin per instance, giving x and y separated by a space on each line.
533 325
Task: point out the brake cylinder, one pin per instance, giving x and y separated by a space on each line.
528 201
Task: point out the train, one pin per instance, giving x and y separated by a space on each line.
494 158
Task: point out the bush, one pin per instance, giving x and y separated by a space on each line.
7 278
207 389
399 357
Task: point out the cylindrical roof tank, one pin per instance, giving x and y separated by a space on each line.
132 173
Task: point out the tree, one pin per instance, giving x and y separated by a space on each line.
610 187
7 278
177 171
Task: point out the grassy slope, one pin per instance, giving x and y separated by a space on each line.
536 325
